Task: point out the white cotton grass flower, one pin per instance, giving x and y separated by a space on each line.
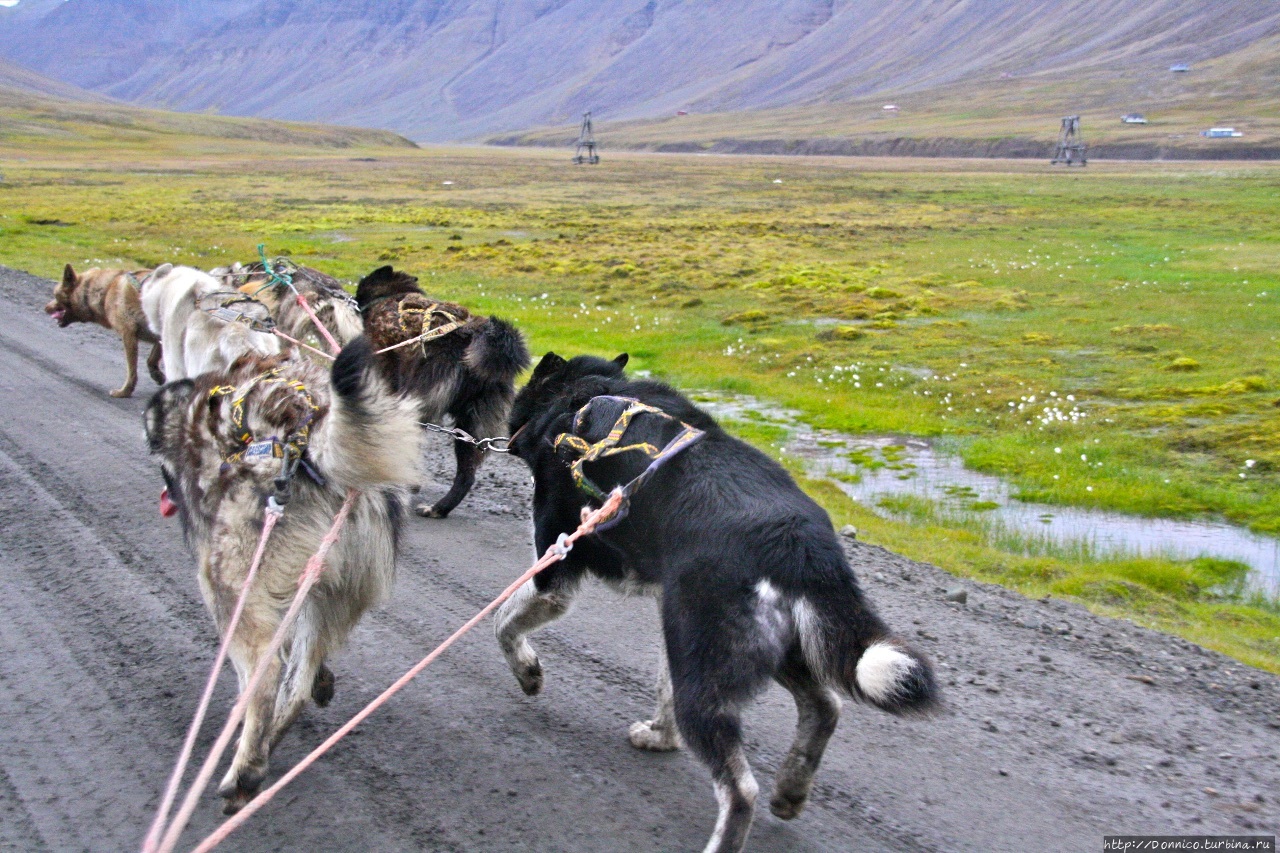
1249 463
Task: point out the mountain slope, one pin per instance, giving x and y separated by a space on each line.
18 79
459 69
33 107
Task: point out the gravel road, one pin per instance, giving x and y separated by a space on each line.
1060 726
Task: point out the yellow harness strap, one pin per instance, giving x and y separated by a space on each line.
293 445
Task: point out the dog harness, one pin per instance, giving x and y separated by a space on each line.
426 316
232 306
282 271
290 449
611 445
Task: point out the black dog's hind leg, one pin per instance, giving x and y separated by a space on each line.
468 457
527 611
714 733
819 711
660 733
717 662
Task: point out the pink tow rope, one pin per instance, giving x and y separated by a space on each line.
309 576
306 306
557 552
271 515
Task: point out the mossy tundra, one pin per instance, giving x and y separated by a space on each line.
1126 313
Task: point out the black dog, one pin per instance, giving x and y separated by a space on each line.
454 363
751 579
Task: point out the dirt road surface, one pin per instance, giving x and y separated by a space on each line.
1060 727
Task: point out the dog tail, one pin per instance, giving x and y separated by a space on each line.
371 436
347 323
497 352
338 316
845 642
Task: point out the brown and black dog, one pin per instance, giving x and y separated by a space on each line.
109 298
453 363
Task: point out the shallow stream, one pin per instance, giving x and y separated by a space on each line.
872 468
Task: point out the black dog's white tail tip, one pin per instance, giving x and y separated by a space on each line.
895 680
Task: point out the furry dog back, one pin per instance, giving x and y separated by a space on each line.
222 440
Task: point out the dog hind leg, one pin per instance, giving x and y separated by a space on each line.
468 458
130 339
301 671
521 614
659 734
721 650
714 734
818 708
153 363
249 766
324 686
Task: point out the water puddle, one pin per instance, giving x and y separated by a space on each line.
889 469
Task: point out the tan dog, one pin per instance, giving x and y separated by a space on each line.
109 298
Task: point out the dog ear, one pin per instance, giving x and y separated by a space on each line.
621 360
163 414
68 275
159 272
548 363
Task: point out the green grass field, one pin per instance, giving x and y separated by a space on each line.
1127 312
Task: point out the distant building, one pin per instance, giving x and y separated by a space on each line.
1221 133
682 112
1134 118
1180 68
891 108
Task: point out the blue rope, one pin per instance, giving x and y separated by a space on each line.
276 278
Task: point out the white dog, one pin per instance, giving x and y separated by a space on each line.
193 341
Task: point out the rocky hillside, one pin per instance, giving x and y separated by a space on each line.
466 69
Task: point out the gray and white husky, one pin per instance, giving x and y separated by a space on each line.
220 439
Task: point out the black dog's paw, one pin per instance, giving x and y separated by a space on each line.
157 375
427 510
652 736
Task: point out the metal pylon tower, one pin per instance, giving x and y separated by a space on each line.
586 152
1071 145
